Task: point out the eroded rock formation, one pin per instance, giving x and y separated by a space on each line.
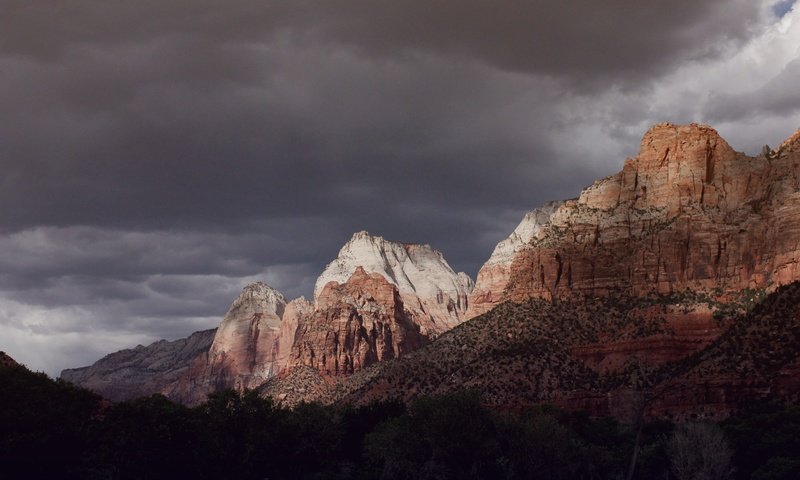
429 287
646 270
495 274
355 324
687 213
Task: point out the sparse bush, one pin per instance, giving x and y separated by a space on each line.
700 451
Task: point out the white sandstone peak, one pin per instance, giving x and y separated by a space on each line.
257 300
532 223
259 296
413 268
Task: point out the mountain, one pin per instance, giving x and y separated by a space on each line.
437 295
142 370
355 324
595 301
244 350
538 351
495 274
377 300
634 297
687 212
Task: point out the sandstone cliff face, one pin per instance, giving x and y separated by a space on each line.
687 212
376 301
493 277
639 269
436 294
244 352
644 279
355 324
142 370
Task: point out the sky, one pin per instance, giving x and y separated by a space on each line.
155 157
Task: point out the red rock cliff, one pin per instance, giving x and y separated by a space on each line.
687 212
355 324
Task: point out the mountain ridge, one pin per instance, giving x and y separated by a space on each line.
682 233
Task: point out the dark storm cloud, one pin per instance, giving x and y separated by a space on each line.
162 113
120 265
155 156
618 38
544 36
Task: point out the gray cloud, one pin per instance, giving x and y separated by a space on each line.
778 97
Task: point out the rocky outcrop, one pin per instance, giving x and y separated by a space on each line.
632 279
376 301
436 294
687 213
355 324
142 370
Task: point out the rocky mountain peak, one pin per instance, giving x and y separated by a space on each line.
413 268
531 225
495 273
695 145
687 212
259 307
678 166
259 295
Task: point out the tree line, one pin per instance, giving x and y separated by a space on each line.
52 429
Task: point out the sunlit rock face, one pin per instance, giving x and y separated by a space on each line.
376 301
496 272
429 288
355 324
688 219
245 349
687 212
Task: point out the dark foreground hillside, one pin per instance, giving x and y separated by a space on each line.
51 429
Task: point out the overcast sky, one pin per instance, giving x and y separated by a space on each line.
156 156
